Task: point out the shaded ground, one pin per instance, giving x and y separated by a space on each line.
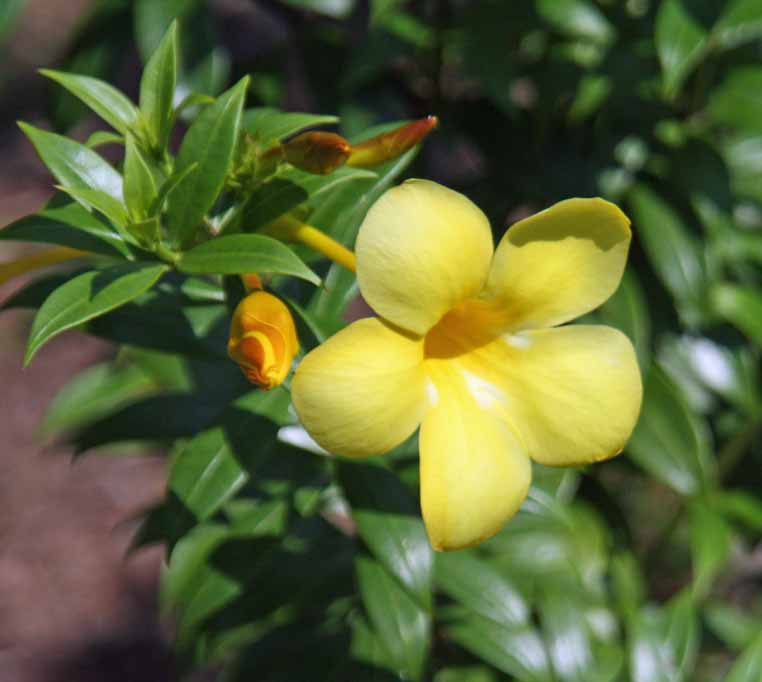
73 606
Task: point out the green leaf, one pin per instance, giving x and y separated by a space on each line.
628 583
390 525
112 208
87 296
748 668
737 101
272 125
670 442
681 43
191 585
710 546
9 13
69 225
210 142
94 393
213 466
476 673
735 626
626 310
672 251
103 137
663 642
73 164
336 9
177 183
105 100
157 89
739 506
577 19
739 23
139 183
481 588
402 626
741 306
518 651
240 253
291 188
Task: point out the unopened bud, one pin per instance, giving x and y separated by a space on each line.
263 339
251 282
390 145
317 152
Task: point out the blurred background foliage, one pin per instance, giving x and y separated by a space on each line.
282 565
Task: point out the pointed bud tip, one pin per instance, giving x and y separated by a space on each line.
317 152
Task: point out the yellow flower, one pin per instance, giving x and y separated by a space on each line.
263 339
467 346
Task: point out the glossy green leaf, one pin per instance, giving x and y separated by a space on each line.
402 626
213 466
103 137
290 189
191 585
681 43
748 668
739 505
477 585
73 164
669 441
336 9
389 523
739 23
577 19
664 641
627 310
741 306
240 253
210 142
139 184
104 99
672 251
112 208
475 673
69 225
87 296
628 583
710 546
93 393
737 101
272 125
518 651
735 626
157 89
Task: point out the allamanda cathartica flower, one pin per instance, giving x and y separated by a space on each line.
467 345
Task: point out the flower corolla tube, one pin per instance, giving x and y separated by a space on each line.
468 345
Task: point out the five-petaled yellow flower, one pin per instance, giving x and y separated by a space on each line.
467 345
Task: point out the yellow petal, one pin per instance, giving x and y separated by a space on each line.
362 392
560 263
421 250
572 394
474 473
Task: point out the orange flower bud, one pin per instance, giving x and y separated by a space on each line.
263 339
317 152
251 282
392 144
